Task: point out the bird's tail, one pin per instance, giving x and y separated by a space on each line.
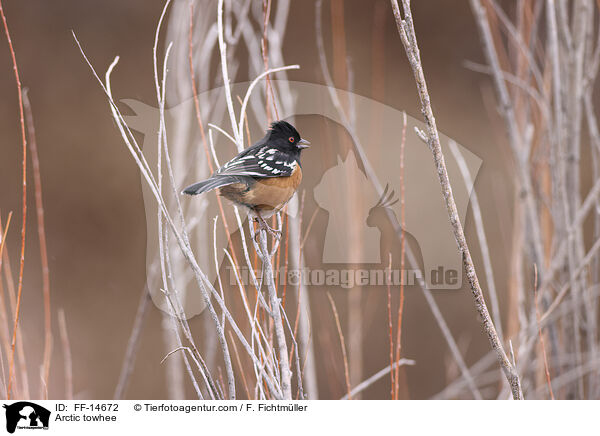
209 185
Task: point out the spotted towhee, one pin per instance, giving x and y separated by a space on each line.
264 176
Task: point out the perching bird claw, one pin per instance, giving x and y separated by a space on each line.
262 225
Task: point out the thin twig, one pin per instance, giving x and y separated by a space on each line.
225 73
342 344
4 331
402 253
284 366
390 327
41 227
24 199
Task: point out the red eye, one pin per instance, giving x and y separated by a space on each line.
291 139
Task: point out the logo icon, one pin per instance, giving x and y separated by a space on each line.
26 415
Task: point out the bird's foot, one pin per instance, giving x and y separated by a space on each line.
262 225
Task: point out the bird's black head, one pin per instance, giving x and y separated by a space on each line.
286 137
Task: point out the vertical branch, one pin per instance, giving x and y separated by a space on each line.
24 199
402 249
284 365
342 79
303 300
265 56
238 135
409 40
390 327
195 90
342 344
39 206
4 329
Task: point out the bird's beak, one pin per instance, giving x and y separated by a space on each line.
303 143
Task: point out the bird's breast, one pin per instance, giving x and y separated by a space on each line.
266 194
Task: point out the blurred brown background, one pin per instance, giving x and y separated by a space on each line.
92 191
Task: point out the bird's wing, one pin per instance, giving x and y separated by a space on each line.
264 161
210 184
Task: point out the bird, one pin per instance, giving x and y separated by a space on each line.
263 177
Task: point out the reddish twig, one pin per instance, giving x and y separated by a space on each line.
24 199
3 312
3 236
390 326
402 272
342 344
309 227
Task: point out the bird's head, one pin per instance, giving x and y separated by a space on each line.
286 137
